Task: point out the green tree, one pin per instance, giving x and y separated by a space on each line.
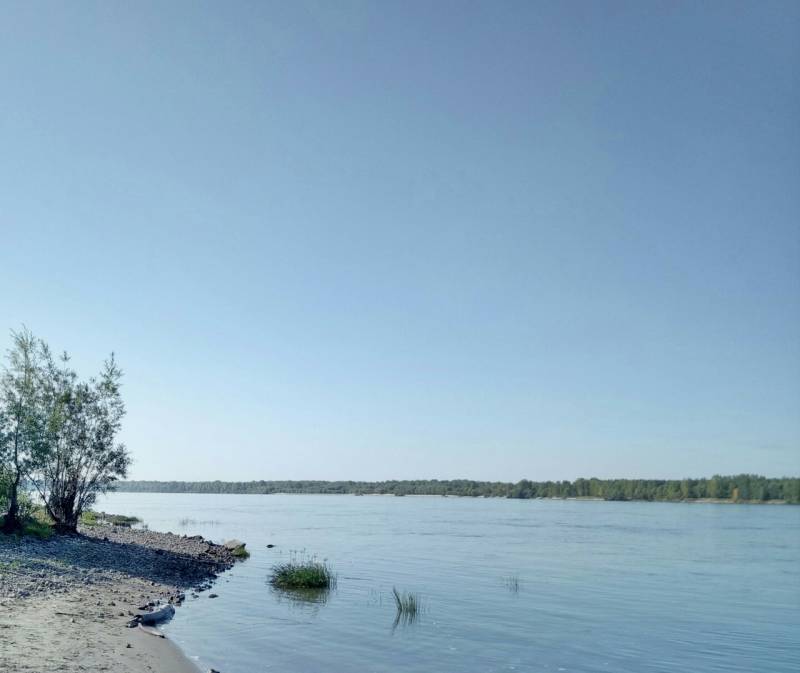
713 488
5 473
79 457
22 424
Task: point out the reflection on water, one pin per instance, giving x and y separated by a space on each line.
302 598
404 619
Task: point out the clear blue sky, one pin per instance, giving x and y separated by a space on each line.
407 240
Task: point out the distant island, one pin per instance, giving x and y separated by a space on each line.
738 488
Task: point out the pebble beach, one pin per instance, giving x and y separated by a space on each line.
71 603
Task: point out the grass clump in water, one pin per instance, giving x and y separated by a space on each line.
186 521
407 603
91 518
409 606
240 553
120 519
302 573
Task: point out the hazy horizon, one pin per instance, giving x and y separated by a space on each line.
509 481
381 240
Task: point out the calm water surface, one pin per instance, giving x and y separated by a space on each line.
602 586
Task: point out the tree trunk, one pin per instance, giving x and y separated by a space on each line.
62 510
12 523
66 527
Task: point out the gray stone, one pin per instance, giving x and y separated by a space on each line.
233 545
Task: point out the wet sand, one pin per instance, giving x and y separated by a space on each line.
66 603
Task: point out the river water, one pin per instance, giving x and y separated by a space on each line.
505 585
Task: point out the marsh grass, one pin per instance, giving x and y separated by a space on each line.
240 553
406 603
91 518
186 521
121 519
513 583
301 572
409 606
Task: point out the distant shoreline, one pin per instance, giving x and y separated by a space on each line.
688 501
744 489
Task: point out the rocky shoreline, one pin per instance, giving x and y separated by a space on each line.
65 601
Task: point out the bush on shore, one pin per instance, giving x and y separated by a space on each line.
35 523
91 518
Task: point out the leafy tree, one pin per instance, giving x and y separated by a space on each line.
5 474
57 433
21 421
79 457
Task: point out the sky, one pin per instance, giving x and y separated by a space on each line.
405 240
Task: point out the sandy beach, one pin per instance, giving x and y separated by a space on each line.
66 603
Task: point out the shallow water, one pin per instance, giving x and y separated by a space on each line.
506 585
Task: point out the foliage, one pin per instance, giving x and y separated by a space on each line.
90 518
739 488
80 458
302 574
743 487
120 519
28 509
240 553
38 524
34 522
5 485
21 417
57 433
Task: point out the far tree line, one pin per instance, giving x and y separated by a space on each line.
57 435
739 488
